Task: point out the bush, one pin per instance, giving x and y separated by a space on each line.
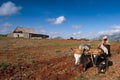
25 57
71 38
81 78
3 65
58 51
118 77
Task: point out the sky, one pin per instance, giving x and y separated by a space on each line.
62 18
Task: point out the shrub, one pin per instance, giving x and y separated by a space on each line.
81 78
118 77
3 65
26 57
58 51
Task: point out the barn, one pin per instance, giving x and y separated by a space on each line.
26 33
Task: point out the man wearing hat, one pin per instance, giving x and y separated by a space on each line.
105 44
103 58
105 40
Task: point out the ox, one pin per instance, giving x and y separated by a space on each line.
86 54
81 57
101 57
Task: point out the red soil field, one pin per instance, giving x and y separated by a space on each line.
26 59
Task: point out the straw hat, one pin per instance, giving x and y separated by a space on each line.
105 37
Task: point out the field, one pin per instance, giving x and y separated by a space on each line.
28 59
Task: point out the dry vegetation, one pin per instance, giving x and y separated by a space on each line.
27 59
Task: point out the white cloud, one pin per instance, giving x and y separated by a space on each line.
90 35
58 20
7 24
9 8
76 26
116 27
113 30
5 28
56 34
76 35
40 29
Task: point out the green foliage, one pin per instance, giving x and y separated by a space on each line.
81 78
118 77
3 65
58 51
65 44
71 38
25 57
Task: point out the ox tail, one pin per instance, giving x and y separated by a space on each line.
72 49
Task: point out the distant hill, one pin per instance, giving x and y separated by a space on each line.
113 37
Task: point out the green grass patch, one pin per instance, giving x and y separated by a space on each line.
65 44
81 78
118 77
58 51
3 65
25 57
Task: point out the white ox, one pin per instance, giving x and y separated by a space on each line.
78 52
85 48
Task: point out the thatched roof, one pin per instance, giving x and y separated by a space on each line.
24 30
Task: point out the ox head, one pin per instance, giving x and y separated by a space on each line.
77 55
83 48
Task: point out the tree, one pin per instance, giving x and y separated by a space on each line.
71 38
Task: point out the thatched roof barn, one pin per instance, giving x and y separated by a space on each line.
26 33
24 30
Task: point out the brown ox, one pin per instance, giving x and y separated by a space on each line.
77 55
81 57
85 56
94 55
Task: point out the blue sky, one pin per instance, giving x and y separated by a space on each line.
64 18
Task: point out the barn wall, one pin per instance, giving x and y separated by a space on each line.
26 35
15 35
18 35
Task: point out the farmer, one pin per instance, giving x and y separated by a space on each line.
105 46
104 56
